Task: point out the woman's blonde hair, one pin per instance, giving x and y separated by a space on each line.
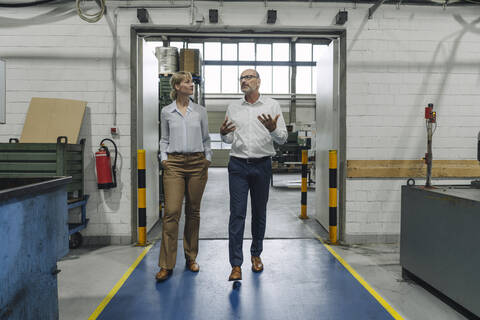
177 78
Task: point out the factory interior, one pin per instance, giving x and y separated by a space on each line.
372 194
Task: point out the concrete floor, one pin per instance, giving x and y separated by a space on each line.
89 274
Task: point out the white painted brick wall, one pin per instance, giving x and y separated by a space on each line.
373 205
71 59
401 61
397 62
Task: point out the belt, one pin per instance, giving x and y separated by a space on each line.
252 160
184 153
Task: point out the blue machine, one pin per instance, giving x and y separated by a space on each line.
33 237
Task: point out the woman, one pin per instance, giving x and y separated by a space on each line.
185 155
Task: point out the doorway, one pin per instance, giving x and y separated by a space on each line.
333 132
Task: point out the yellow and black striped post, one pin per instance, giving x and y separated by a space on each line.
303 212
332 195
142 199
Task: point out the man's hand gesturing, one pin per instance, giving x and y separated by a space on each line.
227 127
268 122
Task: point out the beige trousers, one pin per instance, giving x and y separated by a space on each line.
184 174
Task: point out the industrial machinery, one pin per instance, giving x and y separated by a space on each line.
431 118
291 151
439 243
34 234
439 236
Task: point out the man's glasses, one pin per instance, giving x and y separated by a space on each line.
247 77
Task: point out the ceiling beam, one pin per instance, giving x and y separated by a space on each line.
374 8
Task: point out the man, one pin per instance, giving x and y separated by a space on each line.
251 125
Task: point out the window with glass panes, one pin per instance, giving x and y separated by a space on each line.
224 61
306 55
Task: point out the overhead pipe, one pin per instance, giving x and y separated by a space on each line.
394 2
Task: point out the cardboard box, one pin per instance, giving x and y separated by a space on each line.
190 61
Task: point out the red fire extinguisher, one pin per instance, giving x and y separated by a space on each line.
105 171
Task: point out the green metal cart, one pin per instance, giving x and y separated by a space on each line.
38 160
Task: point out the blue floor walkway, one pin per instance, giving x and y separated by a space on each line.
301 280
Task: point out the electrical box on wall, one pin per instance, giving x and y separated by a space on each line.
271 16
341 17
142 15
213 15
3 89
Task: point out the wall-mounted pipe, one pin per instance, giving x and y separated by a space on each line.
478 147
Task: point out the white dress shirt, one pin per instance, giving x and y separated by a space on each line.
251 139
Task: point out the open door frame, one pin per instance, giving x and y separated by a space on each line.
330 131
337 34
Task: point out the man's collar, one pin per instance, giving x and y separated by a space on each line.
259 100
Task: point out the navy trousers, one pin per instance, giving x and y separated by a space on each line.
244 176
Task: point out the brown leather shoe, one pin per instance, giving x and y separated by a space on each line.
236 274
257 265
192 265
163 274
